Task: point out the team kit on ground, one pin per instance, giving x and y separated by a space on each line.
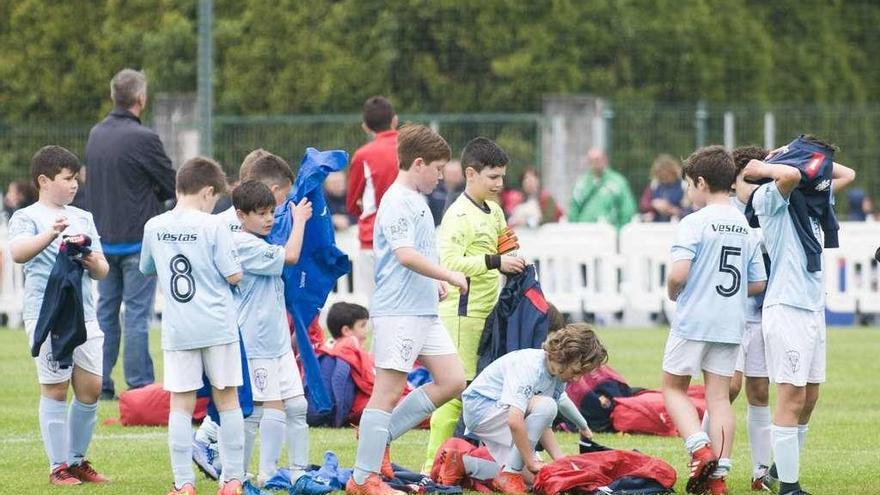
746 306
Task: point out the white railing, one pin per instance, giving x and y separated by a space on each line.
590 268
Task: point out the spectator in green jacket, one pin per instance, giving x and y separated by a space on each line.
602 194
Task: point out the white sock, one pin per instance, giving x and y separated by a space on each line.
272 433
410 412
208 431
758 427
251 427
371 444
81 425
723 468
705 423
786 452
480 469
295 410
180 446
802 436
53 427
231 445
538 419
696 441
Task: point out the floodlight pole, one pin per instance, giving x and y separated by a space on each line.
205 79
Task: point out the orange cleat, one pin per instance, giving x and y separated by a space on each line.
373 485
186 489
717 486
61 476
231 487
703 463
86 473
510 483
386 470
451 467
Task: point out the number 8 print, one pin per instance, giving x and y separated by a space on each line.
183 285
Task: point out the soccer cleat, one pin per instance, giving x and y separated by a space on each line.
61 476
308 485
717 486
451 467
186 489
373 485
763 481
703 463
86 473
510 483
203 456
386 470
231 487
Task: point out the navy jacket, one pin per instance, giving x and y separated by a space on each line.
519 320
812 199
129 176
61 315
336 375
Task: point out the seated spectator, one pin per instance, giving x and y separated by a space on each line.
663 200
19 194
860 205
601 194
535 206
334 190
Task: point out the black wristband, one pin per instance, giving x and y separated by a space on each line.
493 261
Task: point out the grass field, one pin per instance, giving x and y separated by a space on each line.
842 453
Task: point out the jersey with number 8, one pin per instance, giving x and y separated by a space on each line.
192 253
725 257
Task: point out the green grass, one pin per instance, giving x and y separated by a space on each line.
841 457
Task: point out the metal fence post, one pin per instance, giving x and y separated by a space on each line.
205 77
769 131
729 131
700 117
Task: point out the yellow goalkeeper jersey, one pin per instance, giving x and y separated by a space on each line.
468 233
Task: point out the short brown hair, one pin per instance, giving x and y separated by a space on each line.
482 153
252 195
248 162
378 113
418 141
576 347
198 173
271 170
744 154
714 164
51 160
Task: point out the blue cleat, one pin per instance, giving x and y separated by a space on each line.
308 485
203 455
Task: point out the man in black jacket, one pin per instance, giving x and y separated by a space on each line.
129 177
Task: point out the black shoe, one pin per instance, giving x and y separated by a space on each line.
108 395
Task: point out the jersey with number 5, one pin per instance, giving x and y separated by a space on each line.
192 253
725 257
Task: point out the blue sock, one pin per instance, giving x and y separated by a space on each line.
371 444
81 425
232 445
53 427
410 412
251 426
272 428
180 445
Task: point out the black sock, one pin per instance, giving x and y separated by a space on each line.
788 487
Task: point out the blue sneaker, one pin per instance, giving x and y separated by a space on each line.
308 485
203 456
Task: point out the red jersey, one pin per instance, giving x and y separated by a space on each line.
373 170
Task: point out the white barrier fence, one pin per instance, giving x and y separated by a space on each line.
588 268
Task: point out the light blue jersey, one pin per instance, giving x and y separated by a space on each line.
192 252
262 316
756 303
790 282
510 381
403 220
38 218
230 218
725 258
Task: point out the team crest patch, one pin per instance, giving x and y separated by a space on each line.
794 360
525 390
406 349
52 363
261 379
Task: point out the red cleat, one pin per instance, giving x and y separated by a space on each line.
509 483
186 489
231 487
717 486
386 470
373 485
61 476
86 473
703 463
451 467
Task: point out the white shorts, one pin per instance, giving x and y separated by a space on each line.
684 357
494 431
751 360
275 378
364 276
795 344
184 369
88 356
399 340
